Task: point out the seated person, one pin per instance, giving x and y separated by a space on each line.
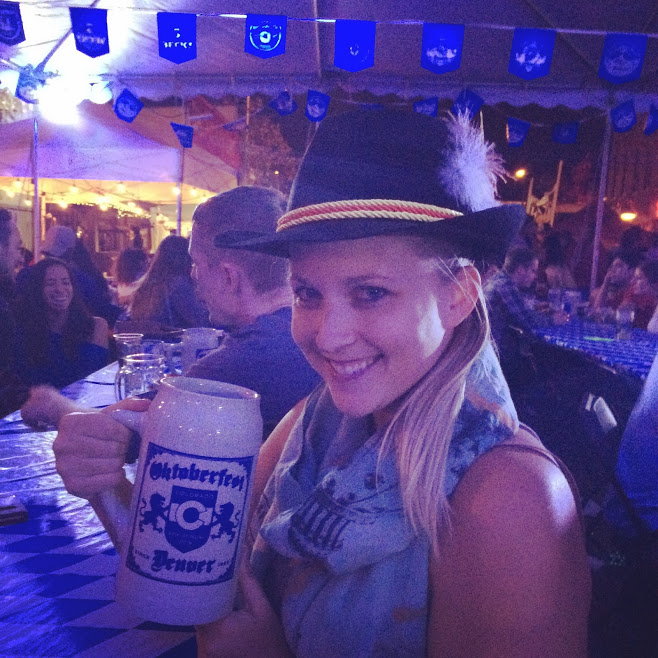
12 390
59 341
167 294
556 271
404 510
642 295
503 291
607 298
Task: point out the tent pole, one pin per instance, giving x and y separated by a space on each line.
36 204
179 197
607 141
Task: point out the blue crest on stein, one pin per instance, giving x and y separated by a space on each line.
468 102
264 35
531 54
623 57
190 518
565 133
89 28
428 106
317 105
284 104
127 106
184 133
354 46
652 120
177 36
442 47
517 131
623 117
11 23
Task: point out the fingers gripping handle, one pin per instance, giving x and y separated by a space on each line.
114 511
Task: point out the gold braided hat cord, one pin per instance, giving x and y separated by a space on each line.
365 209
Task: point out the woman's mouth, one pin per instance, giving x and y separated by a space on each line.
353 368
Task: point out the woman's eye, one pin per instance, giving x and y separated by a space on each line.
305 296
370 294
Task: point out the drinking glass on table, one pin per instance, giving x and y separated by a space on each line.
127 343
625 316
140 374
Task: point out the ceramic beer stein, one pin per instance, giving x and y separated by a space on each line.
181 543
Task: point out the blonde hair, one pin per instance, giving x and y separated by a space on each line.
420 431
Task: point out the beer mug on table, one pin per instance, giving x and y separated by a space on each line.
127 343
197 342
139 374
182 540
625 316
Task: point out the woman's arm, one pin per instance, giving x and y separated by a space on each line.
513 578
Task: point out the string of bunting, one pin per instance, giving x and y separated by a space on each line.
530 58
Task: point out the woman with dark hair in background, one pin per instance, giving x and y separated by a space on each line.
167 294
59 341
131 268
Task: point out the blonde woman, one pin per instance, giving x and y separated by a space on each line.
402 510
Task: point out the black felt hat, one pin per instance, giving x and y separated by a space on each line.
385 172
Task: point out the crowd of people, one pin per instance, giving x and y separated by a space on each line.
369 317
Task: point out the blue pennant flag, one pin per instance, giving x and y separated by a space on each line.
184 133
622 58
265 36
127 106
237 125
89 28
532 51
565 133
517 131
317 105
354 47
177 36
442 47
623 117
652 120
11 23
429 106
468 102
284 104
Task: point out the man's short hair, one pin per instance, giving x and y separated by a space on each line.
253 209
519 257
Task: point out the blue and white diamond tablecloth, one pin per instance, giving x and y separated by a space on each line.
57 569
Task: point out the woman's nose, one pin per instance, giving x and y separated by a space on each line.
335 329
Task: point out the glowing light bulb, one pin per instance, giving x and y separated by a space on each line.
103 206
175 190
121 188
194 191
628 216
73 189
131 204
520 173
62 204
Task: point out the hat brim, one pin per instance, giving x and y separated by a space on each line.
481 236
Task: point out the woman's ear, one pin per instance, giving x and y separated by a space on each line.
465 287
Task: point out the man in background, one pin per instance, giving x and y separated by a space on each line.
248 293
504 291
12 392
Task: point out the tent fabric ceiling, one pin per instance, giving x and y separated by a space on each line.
222 67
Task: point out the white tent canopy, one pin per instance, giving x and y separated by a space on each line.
223 67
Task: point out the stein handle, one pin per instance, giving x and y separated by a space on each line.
115 512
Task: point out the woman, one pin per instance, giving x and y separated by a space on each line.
60 341
167 293
642 295
402 511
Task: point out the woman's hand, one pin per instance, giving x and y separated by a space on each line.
252 631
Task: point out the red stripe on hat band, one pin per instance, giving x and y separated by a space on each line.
365 209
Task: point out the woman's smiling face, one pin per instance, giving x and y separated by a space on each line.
57 288
371 316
